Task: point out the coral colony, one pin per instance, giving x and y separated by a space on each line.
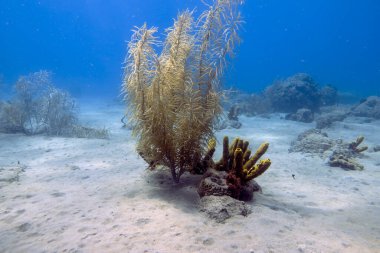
174 96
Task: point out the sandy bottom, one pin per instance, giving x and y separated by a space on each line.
81 195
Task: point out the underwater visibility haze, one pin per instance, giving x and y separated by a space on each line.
189 126
84 42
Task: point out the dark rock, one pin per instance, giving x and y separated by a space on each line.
302 115
220 208
248 189
214 183
296 92
368 108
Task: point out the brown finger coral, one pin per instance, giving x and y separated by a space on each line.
232 175
237 159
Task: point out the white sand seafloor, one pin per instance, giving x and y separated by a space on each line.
86 195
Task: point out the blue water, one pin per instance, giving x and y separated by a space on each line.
84 41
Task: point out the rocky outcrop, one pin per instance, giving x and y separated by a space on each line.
214 183
312 141
296 92
370 107
220 208
326 120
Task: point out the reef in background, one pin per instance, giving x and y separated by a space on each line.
340 153
302 99
38 107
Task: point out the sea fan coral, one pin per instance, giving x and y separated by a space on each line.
174 96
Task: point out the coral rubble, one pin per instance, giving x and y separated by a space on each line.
339 153
312 141
345 153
